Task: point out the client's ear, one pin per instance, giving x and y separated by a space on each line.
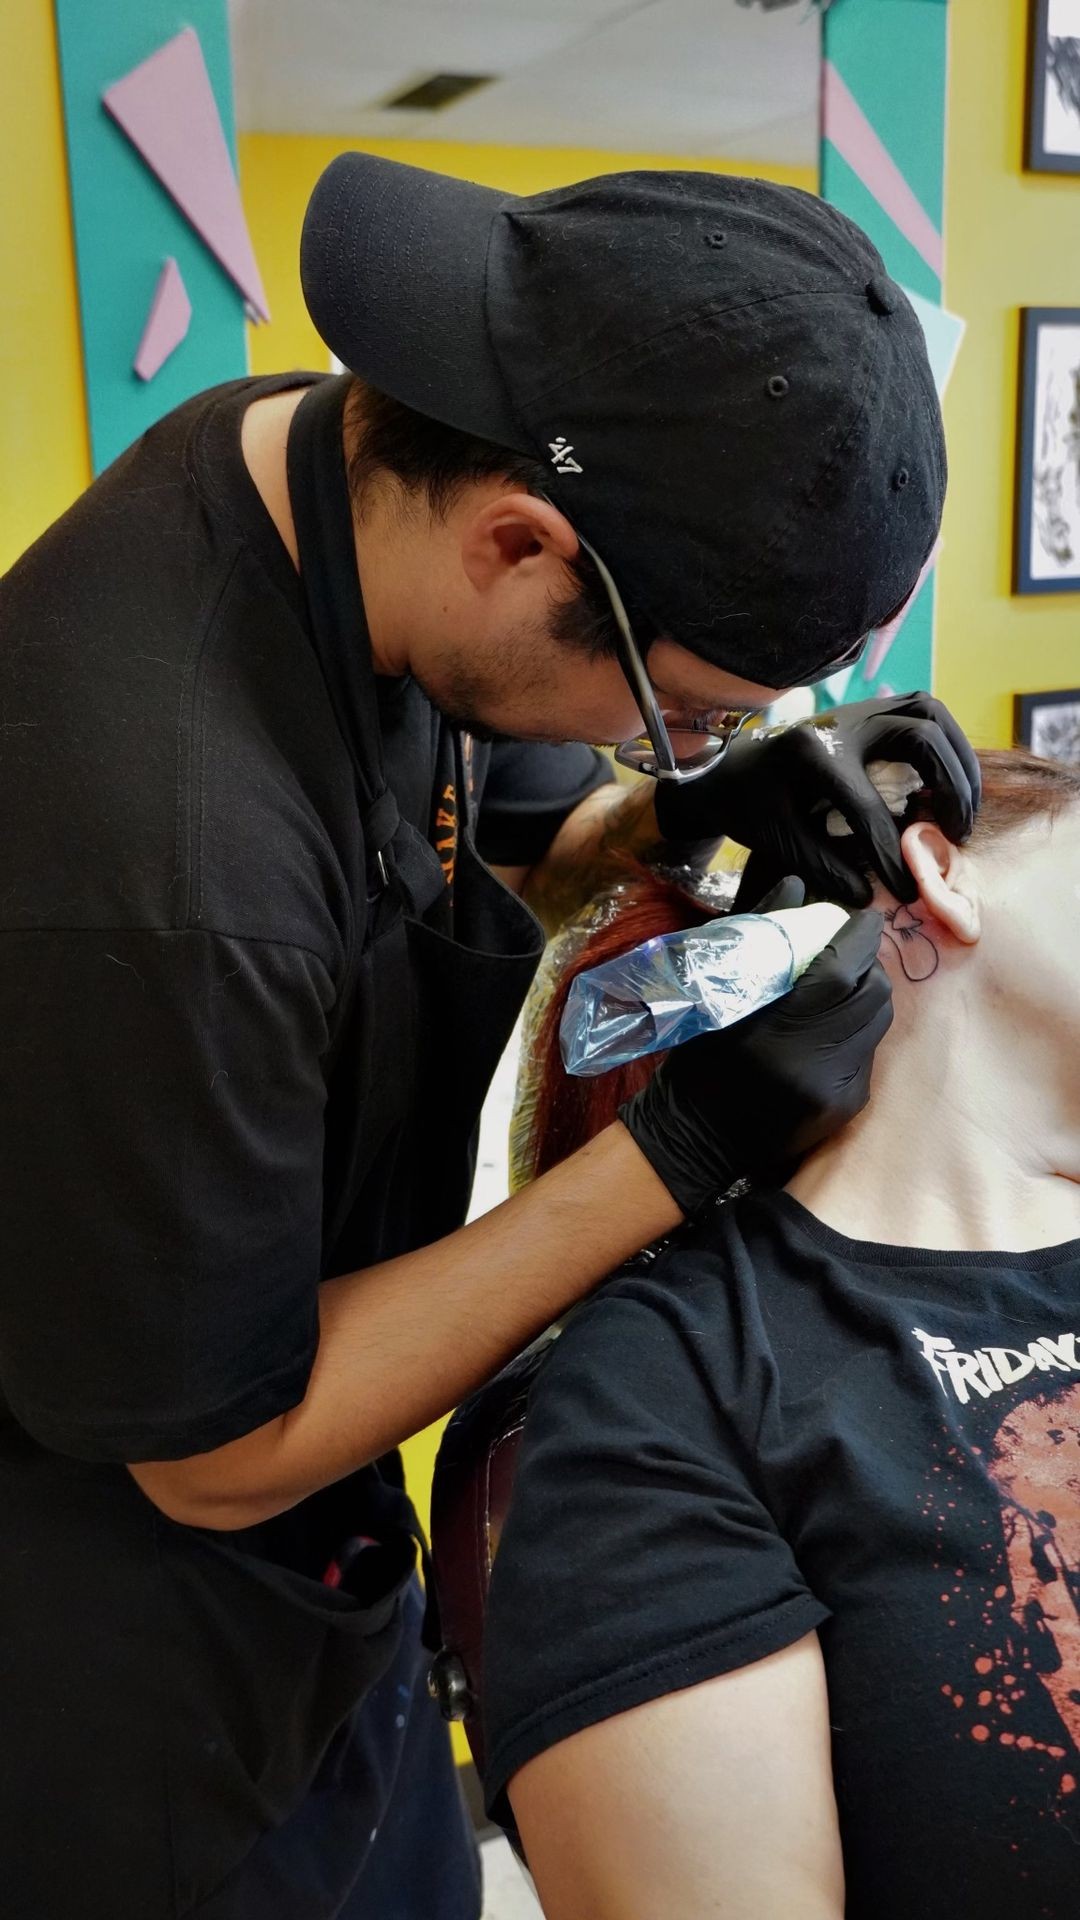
945 878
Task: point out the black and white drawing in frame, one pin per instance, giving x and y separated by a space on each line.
1049 724
1053 132
1048 452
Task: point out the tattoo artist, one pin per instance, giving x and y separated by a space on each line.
615 463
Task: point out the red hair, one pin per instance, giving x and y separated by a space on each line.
1018 787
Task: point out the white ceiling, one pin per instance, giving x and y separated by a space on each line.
646 76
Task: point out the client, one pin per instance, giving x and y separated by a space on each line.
786 1617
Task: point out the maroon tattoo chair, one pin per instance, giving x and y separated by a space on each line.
474 1478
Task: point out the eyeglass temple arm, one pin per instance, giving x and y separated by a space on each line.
634 666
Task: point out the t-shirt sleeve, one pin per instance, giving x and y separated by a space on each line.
529 791
639 1556
160 1186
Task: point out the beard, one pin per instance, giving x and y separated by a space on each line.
459 700
468 693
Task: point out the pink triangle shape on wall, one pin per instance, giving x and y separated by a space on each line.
166 323
166 107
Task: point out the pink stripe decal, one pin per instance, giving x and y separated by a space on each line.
878 649
846 125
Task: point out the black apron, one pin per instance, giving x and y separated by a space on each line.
315 1781
413 1055
332 1789
374 1827
411 1058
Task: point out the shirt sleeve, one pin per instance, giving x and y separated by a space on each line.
160 1186
529 791
639 1558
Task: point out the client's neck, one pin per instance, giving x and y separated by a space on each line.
970 1141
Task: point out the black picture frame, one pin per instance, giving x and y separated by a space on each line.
1034 723
1039 157
1033 320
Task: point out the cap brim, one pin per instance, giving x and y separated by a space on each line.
393 264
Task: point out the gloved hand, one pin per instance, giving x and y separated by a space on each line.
774 793
755 1098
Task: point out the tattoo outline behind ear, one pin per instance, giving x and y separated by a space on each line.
918 955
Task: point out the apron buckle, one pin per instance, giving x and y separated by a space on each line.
379 873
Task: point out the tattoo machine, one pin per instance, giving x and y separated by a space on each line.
682 984
702 979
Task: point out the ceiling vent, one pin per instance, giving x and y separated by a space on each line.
438 90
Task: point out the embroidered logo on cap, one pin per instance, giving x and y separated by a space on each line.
562 456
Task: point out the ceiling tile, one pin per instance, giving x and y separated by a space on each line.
688 76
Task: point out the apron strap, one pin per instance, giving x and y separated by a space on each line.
319 496
381 822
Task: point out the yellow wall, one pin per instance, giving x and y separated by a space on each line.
44 454
278 172
1012 240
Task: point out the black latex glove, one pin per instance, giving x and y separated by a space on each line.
754 1099
773 795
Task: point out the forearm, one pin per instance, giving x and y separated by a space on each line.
403 1342
612 825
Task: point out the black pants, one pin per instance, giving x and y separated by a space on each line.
418 1860
86 1799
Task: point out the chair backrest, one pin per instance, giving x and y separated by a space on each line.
474 1478
470 1499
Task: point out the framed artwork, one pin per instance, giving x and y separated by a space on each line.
1053 107
1047 556
1049 724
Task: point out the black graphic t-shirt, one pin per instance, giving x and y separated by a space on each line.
179 925
771 1429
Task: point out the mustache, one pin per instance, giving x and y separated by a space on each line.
696 721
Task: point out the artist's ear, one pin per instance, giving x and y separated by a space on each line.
514 530
946 879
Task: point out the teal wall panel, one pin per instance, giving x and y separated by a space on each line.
893 57
126 225
906 668
844 189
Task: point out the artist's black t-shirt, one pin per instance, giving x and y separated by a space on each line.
773 1429
182 886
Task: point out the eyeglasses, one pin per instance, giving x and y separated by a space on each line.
679 754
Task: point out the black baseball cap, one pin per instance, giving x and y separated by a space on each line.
730 396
